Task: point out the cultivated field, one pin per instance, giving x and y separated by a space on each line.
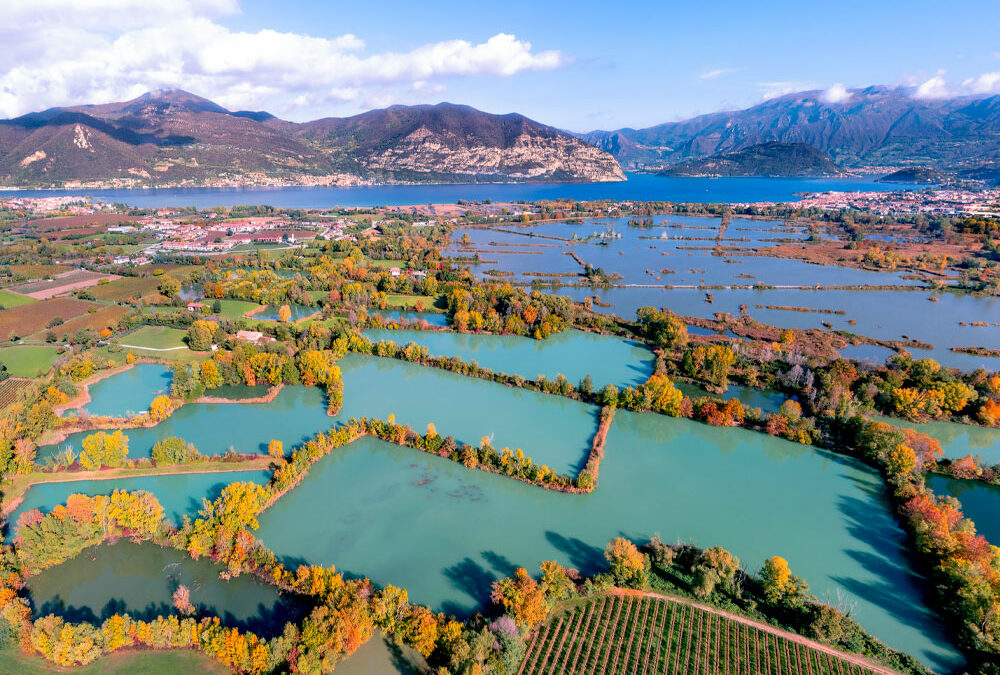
639 634
107 317
126 288
28 319
61 284
36 271
9 389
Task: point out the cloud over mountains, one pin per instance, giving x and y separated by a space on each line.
58 52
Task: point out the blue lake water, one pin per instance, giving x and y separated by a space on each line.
637 187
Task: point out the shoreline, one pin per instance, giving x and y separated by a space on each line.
246 463
82 397
272 393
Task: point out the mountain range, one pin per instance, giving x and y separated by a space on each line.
875 126
174 137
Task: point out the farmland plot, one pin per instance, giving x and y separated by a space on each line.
632 633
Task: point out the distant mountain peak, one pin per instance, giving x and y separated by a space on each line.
179 98
171 136
870 126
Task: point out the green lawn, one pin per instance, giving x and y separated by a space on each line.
408 301
10 299
153 338
28 361
12 660
233 309
386 263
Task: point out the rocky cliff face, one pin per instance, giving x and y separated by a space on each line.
529 157
173 137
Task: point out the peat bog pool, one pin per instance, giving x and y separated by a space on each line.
681 251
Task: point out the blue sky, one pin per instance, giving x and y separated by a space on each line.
579 65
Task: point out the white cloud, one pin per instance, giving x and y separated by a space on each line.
987 83
61 52
716 72
935 87
836 93
777 89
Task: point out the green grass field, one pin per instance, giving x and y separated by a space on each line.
12 660
633 634
154 338
409 301
385 263
233 309
28 360
12 299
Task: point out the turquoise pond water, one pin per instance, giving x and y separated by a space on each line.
551 429
767 400
141 578
957 440
180 494
575 354
980 502
130 392
446 533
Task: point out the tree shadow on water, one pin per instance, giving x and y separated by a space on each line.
584 557
399 659
472 579
499 563
888 561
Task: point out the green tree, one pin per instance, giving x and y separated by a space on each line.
661 328
104 449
